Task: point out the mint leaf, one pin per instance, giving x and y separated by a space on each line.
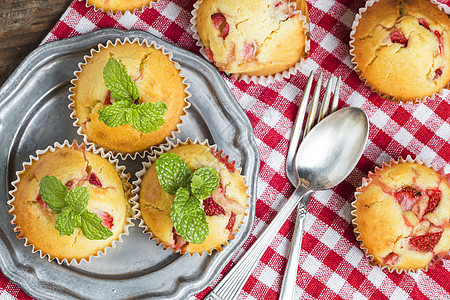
67 221
172 172
92 227
119 82
147 116
53 193
188 217
77 199
204 181
115 114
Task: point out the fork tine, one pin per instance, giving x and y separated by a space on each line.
314 104
296 130
325 102
334 104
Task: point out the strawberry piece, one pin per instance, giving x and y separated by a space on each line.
433 201
438 73
39 199
209 54
250 50
398 37
178 241
220 23
231 222
440 41
69 184
391 259
211 208
106 218
426 242
424 23
407 197
107 100
93 179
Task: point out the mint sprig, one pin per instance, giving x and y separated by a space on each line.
70 206
145 117
189 189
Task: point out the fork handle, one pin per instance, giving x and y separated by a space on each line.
232 283
290 274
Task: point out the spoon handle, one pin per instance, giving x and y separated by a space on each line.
290 274
232 283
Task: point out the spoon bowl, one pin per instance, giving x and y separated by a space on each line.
332 149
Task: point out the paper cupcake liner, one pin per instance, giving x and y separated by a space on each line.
137 184
442 92
77 121
119 11
365 182
263 80
125 183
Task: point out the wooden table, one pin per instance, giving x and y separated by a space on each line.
23 25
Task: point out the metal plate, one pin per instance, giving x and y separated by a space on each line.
34 114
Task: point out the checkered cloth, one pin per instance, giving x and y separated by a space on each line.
332 265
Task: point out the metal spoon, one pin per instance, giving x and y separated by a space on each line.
324 159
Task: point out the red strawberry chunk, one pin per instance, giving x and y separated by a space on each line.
211 208
398 37
178 241
424 23
250 50
231 222
106 218
107 100
93 179
440 41
391 259
438 73
434 199
407 197
220 23
39 199
209 54
426 242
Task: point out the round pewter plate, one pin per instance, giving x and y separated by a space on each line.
34 114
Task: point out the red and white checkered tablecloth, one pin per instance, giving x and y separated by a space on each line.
332 266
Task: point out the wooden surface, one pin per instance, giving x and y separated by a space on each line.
23 25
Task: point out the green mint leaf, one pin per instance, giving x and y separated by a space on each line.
67 221
172 172
188 217
119 82
92 227
115 114
204 181
53 193
77 199
147 116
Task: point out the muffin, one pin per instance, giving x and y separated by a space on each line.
119 5
401 49
253 38
155 81
70 185
401 216
224 205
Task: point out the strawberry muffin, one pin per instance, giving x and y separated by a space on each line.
401 49
119 5
135 110
401 216
70 203
215 208
253 38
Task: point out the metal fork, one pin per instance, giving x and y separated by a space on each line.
290 274
230 286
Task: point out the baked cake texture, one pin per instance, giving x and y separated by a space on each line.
74 166
254 38
120 5
401 49
156 78
402 216
224 208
